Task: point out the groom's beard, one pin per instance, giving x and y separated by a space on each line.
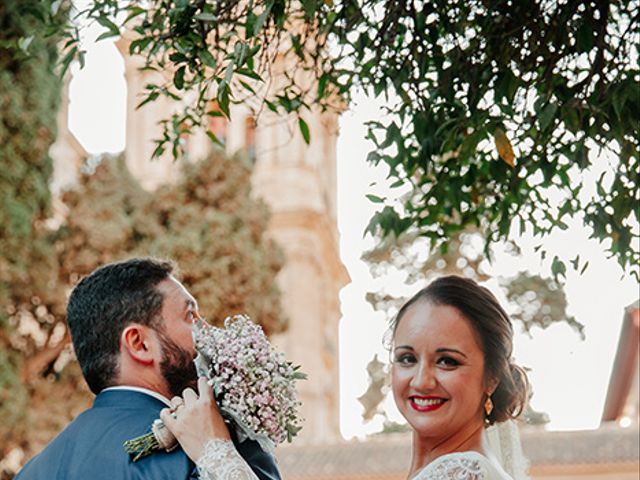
177 366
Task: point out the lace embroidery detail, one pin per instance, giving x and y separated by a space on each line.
221 461
459 468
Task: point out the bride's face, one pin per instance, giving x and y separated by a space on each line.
438 372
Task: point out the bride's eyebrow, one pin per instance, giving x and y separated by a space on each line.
403 347
450 350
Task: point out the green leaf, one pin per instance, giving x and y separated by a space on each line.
249 73
214 138
228 74
81 57
158 151
558 268
206 17
178 78
375 198
248 87
310 7
139 45
546 115
300 375
205 56
304 129
150 98
107 34
262 18
223 99
134 11
271 106
322 85
584 267
575 262
66 61
109 25
585 37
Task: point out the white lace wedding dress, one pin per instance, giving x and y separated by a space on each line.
507 460
462 466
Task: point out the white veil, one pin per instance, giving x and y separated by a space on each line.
503 441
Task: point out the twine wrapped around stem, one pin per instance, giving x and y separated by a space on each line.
159 438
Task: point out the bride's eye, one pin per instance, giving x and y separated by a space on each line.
448 362
405 359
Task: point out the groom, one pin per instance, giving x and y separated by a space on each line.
131 326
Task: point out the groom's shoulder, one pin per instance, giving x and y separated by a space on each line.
91 446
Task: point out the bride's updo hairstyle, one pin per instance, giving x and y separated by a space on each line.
495 332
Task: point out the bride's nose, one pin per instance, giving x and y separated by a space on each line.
424 378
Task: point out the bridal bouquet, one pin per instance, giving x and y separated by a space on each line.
253 384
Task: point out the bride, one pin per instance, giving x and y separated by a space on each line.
452 378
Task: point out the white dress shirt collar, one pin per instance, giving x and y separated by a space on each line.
157 395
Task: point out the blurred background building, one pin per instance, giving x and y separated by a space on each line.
298 183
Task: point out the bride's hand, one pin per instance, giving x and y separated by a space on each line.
194 419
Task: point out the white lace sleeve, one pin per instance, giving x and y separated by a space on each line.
221 461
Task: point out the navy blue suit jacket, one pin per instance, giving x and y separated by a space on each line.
90 448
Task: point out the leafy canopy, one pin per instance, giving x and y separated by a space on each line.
501 114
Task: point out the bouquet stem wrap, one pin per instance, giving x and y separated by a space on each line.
159 438
253 385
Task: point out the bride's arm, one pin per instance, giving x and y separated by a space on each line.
197 424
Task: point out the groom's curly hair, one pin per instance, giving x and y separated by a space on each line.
103 303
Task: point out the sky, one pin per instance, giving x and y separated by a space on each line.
569 376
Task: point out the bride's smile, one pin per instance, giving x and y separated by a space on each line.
426 404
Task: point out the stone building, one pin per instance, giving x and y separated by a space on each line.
298 183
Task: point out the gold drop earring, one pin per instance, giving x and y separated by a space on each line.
488 405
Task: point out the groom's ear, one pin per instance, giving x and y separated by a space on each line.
137 342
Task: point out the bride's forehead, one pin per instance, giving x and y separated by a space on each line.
426 321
